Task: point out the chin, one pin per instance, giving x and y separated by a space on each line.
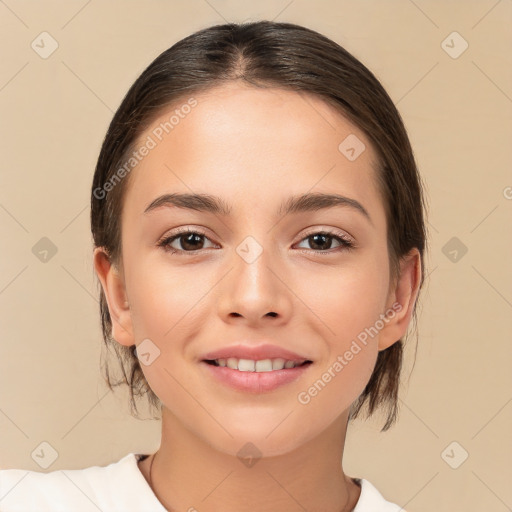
258 443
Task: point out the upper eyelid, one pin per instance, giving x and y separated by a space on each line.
334 232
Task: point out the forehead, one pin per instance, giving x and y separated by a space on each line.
253 144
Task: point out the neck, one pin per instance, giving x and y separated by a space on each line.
188 474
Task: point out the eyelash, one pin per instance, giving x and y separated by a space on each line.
346 243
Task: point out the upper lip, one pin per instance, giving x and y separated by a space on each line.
254 352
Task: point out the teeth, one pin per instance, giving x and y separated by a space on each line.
263 365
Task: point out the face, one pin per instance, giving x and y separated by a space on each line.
255 274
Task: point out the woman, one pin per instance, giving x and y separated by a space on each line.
259 236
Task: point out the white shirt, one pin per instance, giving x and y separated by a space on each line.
119 487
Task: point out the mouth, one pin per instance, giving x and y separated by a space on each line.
253 365
255 376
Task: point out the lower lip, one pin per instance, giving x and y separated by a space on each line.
256 382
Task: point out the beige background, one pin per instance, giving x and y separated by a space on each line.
458 112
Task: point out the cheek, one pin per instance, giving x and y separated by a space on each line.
164 298
166 309
344 301
169 306
337 385
347 305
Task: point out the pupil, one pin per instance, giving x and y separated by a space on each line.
315 237
190 238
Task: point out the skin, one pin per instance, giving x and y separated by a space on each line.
254 148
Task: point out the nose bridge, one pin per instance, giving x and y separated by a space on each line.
256 243
255 288
254 264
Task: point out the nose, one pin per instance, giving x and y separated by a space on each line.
255 291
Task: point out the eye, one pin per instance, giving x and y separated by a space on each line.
321 241
190 241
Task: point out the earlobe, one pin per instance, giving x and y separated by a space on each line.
112 283
402 299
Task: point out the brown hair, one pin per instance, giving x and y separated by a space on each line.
265 54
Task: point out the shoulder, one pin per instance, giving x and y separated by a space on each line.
371 500
117 486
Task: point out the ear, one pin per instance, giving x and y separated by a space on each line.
401 299
112 282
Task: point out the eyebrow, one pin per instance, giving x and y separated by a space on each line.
295 204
